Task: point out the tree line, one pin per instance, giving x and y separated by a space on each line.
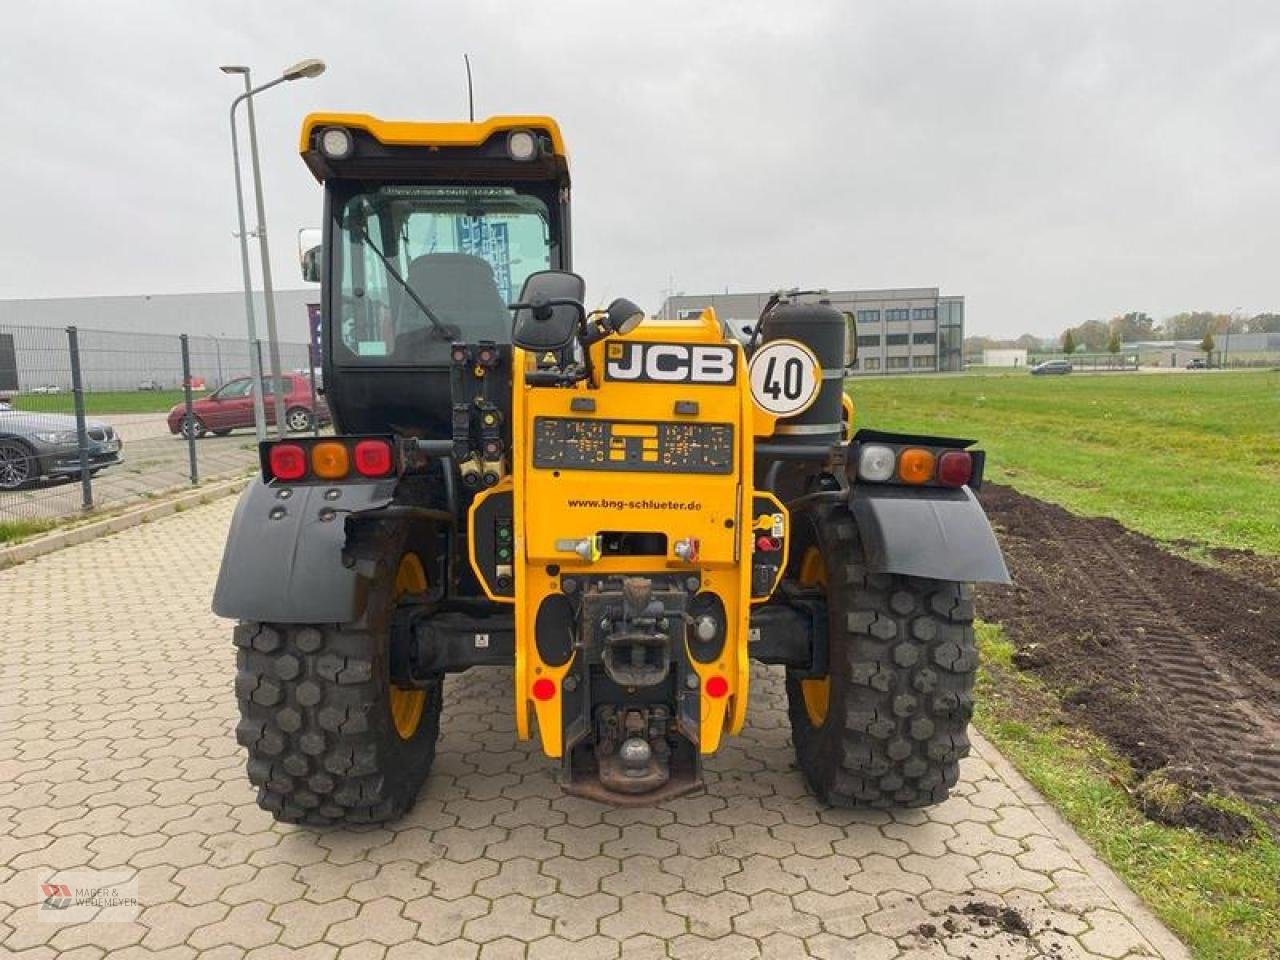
1106 336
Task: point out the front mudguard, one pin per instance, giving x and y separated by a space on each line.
941 534
284 561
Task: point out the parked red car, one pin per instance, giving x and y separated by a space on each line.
231 406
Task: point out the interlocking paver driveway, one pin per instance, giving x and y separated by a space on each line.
117 753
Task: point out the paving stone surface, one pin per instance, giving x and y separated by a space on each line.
117 754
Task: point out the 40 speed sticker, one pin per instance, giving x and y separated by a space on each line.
785 377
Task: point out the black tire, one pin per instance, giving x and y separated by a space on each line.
901 666
193 426
224 432
298 420
315 717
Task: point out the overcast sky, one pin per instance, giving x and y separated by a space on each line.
1051 161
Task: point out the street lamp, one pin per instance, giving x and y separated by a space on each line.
1226 346
217 349
304 69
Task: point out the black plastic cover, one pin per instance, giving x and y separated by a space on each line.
283 561
929 532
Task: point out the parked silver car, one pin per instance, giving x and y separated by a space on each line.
35 445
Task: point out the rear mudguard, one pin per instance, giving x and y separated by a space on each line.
931 532
284 563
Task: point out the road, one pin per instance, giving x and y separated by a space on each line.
118 756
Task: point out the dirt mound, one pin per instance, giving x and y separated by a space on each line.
1181 796
1172 662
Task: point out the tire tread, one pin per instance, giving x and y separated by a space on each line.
319 749
903 660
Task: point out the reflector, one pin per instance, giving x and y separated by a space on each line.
717 686
544 688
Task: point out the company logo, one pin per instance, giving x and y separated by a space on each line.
84 896
57 896
670 363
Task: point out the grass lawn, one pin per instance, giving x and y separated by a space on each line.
1192 457
107 401
11 531
1222 899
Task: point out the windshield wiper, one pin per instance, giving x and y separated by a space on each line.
444 331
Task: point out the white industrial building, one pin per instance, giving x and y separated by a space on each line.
1004 358
197 314
908 330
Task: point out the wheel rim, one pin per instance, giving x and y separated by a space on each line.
15 466
407 704
191 427
299 420
817 690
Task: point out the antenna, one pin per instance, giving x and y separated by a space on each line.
471 102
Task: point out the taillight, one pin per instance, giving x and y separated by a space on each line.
876 463
288 461
915 466
330 461
544 688
955 468
716 686
372 458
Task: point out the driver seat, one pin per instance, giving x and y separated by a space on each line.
461 291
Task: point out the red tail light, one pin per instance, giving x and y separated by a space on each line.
288 461
373 458
955 468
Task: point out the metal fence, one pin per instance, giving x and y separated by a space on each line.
92 419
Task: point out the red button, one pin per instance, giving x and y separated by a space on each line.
767 544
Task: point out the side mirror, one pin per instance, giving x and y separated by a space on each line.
550 311
851 341
310 250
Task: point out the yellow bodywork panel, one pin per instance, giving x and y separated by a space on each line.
628 471
407 133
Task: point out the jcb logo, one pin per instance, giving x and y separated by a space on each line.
670 363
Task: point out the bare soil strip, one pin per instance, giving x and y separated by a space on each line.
1172 662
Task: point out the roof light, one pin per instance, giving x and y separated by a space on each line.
336 143
876 463
522 146
287 461
915 466
955 468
